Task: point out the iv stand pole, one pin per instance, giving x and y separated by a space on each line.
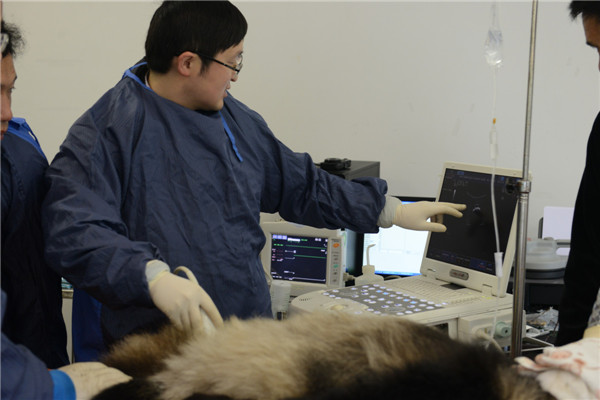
524 189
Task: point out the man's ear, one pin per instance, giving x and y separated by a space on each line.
186 62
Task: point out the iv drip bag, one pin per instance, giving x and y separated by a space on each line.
493 42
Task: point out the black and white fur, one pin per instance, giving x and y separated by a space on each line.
315 356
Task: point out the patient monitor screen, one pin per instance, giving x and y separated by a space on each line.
299 258
470 241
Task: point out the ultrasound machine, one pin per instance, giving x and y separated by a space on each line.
458 285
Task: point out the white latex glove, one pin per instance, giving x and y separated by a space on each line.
90 378
183 301
415 215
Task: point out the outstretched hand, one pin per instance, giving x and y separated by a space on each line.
415 216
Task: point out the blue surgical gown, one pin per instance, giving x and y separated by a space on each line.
24 376
34 315
140 177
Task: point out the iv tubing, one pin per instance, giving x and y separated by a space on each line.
493 156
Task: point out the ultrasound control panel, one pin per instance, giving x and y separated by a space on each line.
378 299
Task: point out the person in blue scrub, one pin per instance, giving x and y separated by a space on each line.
168 169
34 318
33 331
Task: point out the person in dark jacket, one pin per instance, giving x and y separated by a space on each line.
582 273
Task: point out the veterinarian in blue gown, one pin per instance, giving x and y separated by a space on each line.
168 169
31 316
34 317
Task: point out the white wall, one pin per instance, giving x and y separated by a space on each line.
404 83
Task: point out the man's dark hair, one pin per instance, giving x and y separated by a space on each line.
15 40
585 8
206 27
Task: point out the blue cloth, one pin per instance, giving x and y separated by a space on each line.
140 177
64 389
24 376
20 128
34 316
87 332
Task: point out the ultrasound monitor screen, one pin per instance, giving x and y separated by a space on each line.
470 241
299 258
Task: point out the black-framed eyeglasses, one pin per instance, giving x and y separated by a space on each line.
4 38
237 67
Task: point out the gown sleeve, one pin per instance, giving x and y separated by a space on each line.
86 237
301 192
24 376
